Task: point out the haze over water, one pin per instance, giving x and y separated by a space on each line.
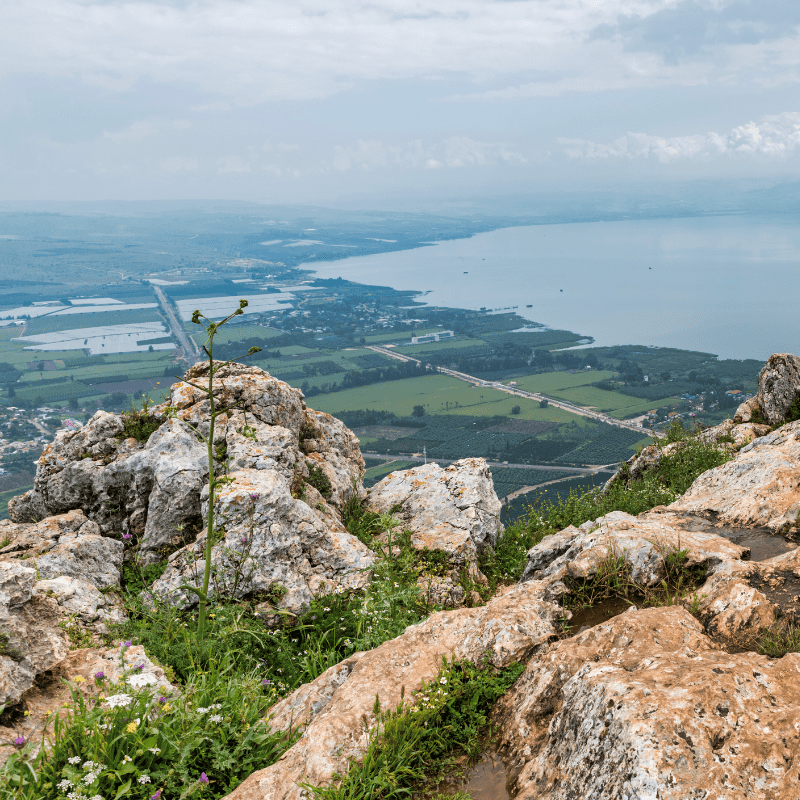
725 285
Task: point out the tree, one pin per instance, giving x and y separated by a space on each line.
419 411
543 404
73 403
515 410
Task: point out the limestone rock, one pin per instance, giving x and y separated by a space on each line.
454 509
778 390
65 545
334 709
646 706
31 640
644 542
273 544
79 597
760 487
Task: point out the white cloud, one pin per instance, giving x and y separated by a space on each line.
179 164
776 135
248 51
144 129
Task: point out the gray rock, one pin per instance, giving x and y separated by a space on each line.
454 509
778 390
66 544
31 640
79 597
272 544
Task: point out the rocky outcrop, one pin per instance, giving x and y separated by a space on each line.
453 509
778 396
336 711
31 640
65 545
759 487
646 706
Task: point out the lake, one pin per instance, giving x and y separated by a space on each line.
727 285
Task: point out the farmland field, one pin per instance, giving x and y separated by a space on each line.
375 474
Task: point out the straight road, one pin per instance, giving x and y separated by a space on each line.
562 404
190 348
555 467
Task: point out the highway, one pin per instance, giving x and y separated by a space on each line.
501 387
190 350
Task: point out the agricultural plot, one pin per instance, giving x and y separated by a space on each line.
610 446
92 319
510 479
458 343
218 307
615 404
128 338
556 381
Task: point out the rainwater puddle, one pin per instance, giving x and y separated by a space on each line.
594 615
485 781
762 542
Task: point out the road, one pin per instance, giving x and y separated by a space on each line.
501 387
555 467
190 349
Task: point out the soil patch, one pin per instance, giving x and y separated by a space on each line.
762 542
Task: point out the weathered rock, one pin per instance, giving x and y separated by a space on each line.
644 542
647 707
741 434
760 487
335 709
273 544
66 544
454 509
31 640
79 597
778 391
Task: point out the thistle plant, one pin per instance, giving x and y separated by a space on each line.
215 411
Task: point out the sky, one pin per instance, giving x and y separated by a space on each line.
313 101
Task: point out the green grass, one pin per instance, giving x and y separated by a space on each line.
458 343
615 404
556 381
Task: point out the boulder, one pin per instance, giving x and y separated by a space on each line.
272 544
760 487
646 706
31 641
336 710
454 509
65 545
778 392
81 598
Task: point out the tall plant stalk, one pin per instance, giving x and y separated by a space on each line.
211 329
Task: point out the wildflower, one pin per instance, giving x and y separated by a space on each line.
156 796
65 784
154 750
126 644
215 718
266 682
138 681
140 667
126 536
74 760
19 741
143 779
126 758
118 700
79 679
162 699
253 496
96 797
131 727
167 708
89 778
203 778
99 676
442 680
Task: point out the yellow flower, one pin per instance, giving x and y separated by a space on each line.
79 679
131 727
166 708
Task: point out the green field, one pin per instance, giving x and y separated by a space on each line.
547 382
615 404
375 474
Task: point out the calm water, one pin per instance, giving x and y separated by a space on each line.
724 285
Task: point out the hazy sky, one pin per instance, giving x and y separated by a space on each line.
306 100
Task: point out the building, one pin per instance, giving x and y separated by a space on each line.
432 337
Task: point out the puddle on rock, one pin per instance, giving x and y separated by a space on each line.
485 781
763 543
588 617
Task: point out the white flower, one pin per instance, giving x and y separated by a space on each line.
118 700
89 778
145 679
96 797
154 750
74 760
126 758
443 680
65 784
215 718
143 779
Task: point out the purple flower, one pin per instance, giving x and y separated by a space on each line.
244 540
126 536
156 796
140 667
266 682
162 699
19 741
126 644
203 777
98 676
254 497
